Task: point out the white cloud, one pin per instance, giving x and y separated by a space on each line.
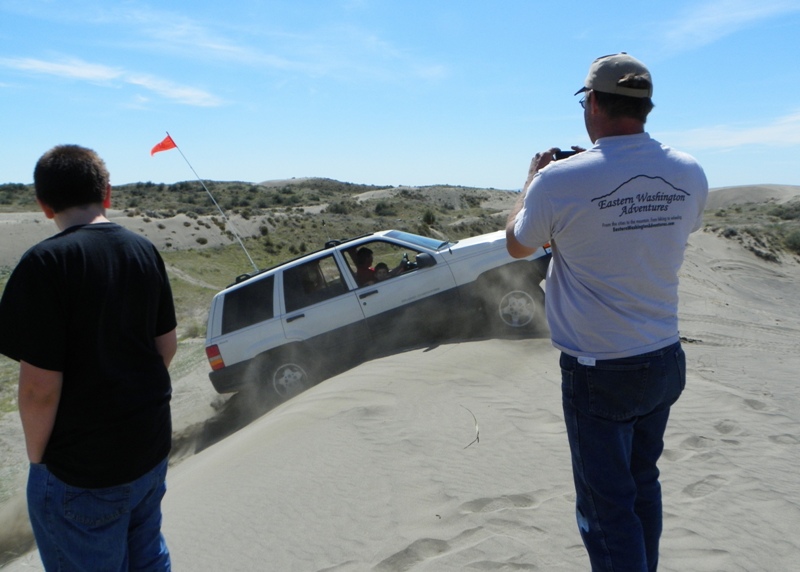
73 68
177 33
342 50
69 68
706 22
180 93
347 52
782 132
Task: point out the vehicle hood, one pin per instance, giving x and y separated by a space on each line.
477 244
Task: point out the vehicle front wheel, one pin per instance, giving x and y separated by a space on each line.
514 305
517 309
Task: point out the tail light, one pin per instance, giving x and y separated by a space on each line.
214 358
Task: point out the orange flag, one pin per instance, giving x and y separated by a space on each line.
165 145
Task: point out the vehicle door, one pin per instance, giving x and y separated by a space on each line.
322 310
413 302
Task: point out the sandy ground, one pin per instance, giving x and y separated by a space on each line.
381 468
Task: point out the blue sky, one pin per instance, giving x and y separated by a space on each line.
403 92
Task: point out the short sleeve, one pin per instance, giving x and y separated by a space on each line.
32 319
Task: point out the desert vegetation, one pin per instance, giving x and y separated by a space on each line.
770 231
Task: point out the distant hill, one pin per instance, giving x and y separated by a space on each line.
234 196
276 219
280 219
726 196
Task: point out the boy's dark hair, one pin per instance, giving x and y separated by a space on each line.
624 106
362 255
70 176
380 265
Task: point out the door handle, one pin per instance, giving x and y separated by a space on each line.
293 318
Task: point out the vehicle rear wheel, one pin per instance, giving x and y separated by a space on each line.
281 375
288 377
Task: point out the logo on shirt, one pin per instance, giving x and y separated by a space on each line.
649 205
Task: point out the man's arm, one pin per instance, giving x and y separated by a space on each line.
39 395
515 248
167 346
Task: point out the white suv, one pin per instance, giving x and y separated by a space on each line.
287 327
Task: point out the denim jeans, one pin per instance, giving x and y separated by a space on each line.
616 412
110 529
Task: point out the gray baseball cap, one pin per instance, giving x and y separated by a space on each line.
605 73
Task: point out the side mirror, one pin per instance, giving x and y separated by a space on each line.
425 260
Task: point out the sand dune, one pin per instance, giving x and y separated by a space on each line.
377 469
381 468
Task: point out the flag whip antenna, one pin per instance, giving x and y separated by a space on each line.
228 221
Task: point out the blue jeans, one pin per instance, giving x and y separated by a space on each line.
110 529
616 412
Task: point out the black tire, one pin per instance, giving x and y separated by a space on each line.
513 303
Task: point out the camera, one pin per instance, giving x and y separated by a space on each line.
558 155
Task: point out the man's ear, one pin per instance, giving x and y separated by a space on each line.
48 211
107 199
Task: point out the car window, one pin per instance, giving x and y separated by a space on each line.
379 260
312 282
248 305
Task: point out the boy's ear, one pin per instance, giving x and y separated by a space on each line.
48 212
107 199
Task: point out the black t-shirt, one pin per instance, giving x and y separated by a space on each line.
89 302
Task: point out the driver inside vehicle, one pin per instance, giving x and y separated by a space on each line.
365 273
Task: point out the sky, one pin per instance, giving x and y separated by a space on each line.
387 92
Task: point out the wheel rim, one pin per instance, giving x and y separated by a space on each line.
289 380
517 309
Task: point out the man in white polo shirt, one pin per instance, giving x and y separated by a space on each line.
618 217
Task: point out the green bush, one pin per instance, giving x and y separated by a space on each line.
342 207
385 208
793 242
787 212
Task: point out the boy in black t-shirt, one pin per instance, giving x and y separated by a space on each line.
89 315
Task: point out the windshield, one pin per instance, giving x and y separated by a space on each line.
423 241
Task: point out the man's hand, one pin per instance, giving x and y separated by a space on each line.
539 162
543 159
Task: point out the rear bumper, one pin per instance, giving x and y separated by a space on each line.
231 378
